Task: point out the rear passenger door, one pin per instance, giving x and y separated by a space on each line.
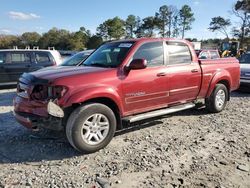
184 76
16 63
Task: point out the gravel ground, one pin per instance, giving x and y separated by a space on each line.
187 149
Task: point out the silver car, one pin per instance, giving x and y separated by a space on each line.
245 70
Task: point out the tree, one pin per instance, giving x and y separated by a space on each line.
112 29
219 24
148 26
161 19
58 38
30 38
186 19
130 25
165 19
94 42
8 41
139 30
241 10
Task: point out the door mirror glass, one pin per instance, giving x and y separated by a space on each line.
138 64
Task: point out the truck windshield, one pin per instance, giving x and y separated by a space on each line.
109 55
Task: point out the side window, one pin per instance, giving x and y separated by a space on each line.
2 57
152 52
42 57
20 57
204 55
178 53
214 55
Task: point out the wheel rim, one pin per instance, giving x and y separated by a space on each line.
95 129
220 98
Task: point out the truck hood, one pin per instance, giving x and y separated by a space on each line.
65 71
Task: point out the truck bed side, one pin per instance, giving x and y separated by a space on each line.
223 70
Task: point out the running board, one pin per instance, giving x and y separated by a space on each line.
156 113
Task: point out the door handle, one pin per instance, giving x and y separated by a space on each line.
194 70
28 66
161 74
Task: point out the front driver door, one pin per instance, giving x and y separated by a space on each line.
146 89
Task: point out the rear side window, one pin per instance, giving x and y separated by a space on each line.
214 55
19 57
152 52
2 57
178 53
42 57
204 55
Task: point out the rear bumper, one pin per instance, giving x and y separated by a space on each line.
245 81
33 115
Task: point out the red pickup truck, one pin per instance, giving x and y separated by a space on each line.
127 80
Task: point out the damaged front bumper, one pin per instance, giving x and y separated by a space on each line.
34 115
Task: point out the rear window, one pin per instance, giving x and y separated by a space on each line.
245 59
178 53
214 55
42 57
18 57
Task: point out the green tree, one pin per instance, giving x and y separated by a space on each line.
165 19
94 42
241 10
30 38
220 24
139 30
8 41
112 29
148 26
58 38
186 19
130 25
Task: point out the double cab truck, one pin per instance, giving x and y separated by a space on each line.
123 81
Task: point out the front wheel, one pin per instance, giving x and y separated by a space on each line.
218 99
91 127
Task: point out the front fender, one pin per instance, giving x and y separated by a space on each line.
92 93
219 76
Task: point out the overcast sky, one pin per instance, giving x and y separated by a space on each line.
18 16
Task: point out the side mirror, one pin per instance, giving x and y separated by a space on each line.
137 64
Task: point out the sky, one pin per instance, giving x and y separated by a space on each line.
19 16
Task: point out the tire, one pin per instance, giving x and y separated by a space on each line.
218 99
91 127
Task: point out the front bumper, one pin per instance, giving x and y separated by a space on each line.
33 114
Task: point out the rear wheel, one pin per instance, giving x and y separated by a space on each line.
218 99
91 127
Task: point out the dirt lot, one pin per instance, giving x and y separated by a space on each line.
187 149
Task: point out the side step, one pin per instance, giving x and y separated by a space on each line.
156 113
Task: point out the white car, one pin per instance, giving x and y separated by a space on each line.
245 70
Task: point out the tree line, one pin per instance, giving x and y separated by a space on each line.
168 21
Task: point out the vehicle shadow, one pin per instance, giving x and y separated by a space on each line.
19 145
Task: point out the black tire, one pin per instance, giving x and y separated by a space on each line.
77 120
211 104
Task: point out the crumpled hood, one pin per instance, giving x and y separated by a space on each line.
64 71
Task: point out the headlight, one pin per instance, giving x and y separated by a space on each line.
56 92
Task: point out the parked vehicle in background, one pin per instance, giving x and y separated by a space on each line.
66 54
13 63
77 59
128 80
207 54
245 71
